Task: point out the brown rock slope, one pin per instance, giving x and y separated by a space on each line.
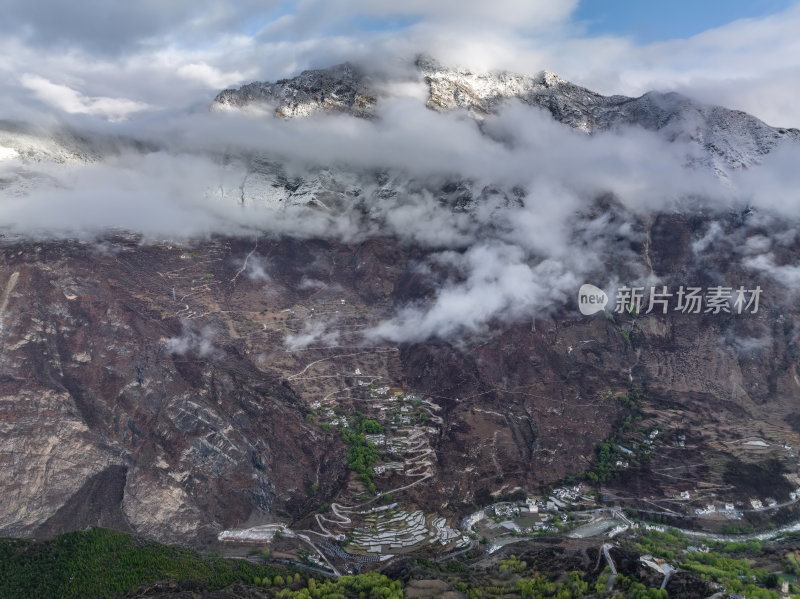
149 388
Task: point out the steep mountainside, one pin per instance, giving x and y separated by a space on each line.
117 410
178 390
723 139
150 389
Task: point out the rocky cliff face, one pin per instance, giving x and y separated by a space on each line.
118 410
178 416
150 388
173 390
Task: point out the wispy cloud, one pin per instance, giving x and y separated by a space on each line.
507 257
74 102
192 341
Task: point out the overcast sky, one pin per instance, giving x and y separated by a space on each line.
120 60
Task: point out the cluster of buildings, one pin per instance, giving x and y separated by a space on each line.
559 499
731 512
709 509
548 509
568 494
543 526
506 510
385 393
728 510
769 502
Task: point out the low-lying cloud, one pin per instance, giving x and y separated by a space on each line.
316 332
511 211
192 340
510 207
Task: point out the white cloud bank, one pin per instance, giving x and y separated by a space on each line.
508 260
171 55
73 102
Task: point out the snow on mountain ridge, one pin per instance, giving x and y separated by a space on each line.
724 139
721 139
341 88
29 146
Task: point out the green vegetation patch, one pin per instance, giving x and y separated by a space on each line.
104 563
372 584
362 454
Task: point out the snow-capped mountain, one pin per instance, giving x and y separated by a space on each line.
174 381
28 145
24 151
33 157
726 138
720 138
709 138
341 88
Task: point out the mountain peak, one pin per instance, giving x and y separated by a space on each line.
340 88
719 138
551 78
